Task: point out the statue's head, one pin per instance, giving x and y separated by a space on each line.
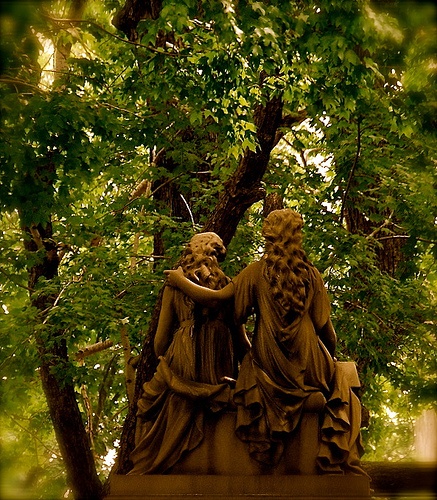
283 225
200 260
209 244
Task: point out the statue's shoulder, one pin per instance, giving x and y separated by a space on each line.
314 273
254 268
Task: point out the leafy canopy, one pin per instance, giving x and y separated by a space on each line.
78 140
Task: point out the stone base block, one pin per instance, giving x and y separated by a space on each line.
166 487
222 453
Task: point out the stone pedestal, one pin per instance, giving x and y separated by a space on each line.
222 453
221 468
184 487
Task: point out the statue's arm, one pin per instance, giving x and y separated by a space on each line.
320 314
200 294
328 337
163 334
241 342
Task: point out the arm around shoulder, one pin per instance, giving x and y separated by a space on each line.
200 294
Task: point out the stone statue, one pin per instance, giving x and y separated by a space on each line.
198 349
291 363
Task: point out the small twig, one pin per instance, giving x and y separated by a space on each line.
129 370
150 257
16 81
103 392
405 236
351 173
119 210
12 355
89 413
55 303
385 224
124 110
387 323
301 151
10 277
34 436
120 411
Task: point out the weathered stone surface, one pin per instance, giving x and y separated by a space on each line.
282 422
222 453
163 487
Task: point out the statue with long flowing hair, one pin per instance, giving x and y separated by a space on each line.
198 349
292 355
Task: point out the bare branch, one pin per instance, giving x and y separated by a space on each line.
385 224
172 179
405 236
10 277
93 348
129 370
36 237
17 82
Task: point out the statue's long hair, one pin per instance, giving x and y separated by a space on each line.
287 265
200 260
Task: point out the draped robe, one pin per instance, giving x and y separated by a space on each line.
287 362
186 385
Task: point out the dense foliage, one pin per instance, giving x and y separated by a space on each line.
117 146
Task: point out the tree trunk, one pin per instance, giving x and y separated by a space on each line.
72 438
71 435
273 201
69 428
244 188
167 196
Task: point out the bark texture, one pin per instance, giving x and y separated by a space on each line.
244 187
241 191
133 11
71 435
74 442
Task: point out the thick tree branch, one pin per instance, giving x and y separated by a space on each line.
244 186
127 19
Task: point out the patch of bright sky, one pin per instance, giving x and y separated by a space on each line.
47 62
47 58
392 415
312 156
111 456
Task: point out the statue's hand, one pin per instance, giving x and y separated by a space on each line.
174 276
